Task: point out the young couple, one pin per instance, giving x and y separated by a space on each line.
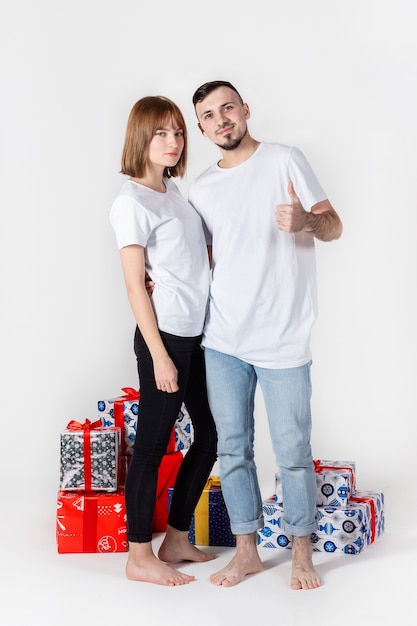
232 305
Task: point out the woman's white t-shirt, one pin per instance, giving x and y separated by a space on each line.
176 259
263 296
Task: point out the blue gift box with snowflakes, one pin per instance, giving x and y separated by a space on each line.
346 530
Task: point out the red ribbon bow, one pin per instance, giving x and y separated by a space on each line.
86 427
74 425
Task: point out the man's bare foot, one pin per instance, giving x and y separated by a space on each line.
176 547
143 565
246 561
303 576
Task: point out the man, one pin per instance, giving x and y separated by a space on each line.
262 209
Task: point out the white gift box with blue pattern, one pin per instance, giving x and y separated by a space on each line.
183 428
346 529
335 482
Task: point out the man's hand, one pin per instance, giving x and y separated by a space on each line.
291 218
149 284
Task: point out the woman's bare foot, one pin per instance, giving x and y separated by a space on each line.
246 561
143 565
303 576
176 547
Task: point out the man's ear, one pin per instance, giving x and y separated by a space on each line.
247 110
200 127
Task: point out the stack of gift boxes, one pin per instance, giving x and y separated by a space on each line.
94 457
348 519
91 513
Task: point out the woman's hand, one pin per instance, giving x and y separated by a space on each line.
166 375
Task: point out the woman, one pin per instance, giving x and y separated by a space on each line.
161 236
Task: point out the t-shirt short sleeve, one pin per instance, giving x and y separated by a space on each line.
130 223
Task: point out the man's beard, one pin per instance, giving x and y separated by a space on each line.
231 144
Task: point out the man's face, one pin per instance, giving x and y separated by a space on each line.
222 118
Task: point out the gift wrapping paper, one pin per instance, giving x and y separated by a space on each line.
167 475
336 482
123 412
346 529
91 522
89 457
183 430
210 525
376 501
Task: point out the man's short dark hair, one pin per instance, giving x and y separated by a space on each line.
203 91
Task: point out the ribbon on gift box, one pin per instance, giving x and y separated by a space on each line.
201 513
130 394
324 468
90 524
86 428
371 503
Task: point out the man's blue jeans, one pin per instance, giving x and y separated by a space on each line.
231 387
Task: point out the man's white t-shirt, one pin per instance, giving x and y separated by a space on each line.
171 232
263 296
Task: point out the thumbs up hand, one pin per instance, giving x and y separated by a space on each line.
291 218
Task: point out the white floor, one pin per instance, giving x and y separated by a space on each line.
40 587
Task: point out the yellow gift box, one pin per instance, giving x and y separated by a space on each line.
210 525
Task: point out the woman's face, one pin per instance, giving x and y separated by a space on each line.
166 146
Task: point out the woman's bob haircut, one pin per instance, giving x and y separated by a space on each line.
147 116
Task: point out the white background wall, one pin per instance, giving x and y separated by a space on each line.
337 79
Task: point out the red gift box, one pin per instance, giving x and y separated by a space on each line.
91 522
167 475
96 521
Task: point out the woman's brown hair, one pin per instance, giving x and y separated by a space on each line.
147 116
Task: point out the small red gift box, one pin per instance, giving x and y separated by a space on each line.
91 522
167 475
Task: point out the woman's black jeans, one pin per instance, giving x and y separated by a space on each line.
158 412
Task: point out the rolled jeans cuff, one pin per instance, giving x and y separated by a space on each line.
247 528
300 531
